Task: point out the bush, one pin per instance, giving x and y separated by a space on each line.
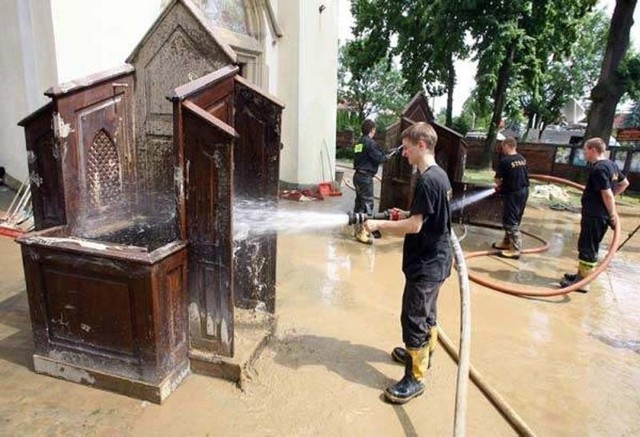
344 153
347 120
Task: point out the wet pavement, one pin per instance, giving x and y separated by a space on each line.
567 365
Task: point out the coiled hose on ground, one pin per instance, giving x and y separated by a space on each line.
465 368
518 291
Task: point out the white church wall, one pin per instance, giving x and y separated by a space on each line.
28 65
307 82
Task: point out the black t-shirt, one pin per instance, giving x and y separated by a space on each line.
512 169
428 253
602 175
367 155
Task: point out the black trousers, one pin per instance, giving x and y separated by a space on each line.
592 230
419 310
514 204
364 193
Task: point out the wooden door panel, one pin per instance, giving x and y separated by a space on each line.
256 172
208 179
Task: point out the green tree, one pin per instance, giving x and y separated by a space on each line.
472 117
543 93
375 91
633 118
620 73
517 37
425 35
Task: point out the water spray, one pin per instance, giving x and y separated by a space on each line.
395 151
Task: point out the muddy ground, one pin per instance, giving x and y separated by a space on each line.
568 365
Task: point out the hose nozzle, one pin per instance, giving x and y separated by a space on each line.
357 218
396 151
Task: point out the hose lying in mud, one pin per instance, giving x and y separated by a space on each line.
463 357
517 291
494 397
460 417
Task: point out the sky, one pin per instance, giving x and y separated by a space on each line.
466 69
99 53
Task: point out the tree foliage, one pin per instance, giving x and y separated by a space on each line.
542 94
375 91
425 36
517 39
619 75
633 118
533 56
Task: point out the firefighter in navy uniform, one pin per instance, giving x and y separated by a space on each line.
512 181
426 259
604 182
367 159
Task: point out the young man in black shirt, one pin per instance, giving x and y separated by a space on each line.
604 181
512 181
426 259
367 158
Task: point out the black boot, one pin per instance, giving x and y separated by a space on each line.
566 282
584 269
410 386
571 276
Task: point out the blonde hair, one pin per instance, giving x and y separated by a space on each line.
421 131
510 142
596 143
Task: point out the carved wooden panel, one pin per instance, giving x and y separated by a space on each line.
155 169
81 309
93 133
178 49
418 110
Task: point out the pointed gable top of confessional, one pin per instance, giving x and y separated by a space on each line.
418 109
187 10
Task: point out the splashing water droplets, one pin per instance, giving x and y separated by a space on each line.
256 218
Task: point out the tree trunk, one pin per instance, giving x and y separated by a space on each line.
451 83
498 102
609 89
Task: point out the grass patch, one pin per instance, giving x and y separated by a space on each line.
478 176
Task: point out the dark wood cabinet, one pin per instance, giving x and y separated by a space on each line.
398 178
219 165
133 268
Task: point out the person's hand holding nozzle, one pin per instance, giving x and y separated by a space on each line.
398 214
372 225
